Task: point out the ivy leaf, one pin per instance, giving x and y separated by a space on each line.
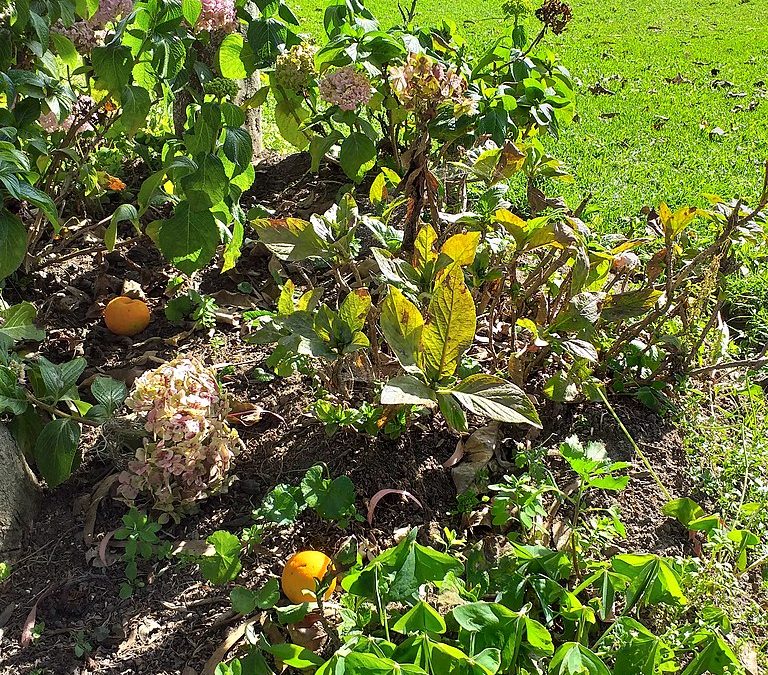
189 239
357 155
56 454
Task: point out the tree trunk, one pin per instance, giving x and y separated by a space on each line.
248 88
19 495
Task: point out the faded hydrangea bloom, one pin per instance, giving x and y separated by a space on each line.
110 11
295 68
217 15
625 261
190 447
346 88
423 84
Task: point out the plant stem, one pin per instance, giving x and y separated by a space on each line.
60 413
634 445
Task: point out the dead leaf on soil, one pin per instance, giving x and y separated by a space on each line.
193 547
309 632
479 449
748 658
101 491
678 79
233 637
226 298
383 493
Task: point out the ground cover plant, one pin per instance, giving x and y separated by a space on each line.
416 397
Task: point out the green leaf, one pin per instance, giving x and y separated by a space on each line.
319 147
18 323
290 614
361 663
421 618
265 38
122 213
289 117
402 325
234 247
450 329
13 243
224 565
230 62
65 49
496 398
191 10
56 454
59 379
112 66
244 600
716 658
294 656
357 155
189 239
13 399
684 509
573 658
407 390
642 653
206 186
354 309
110 393
280 506
337 500
238 147
622 306
135 103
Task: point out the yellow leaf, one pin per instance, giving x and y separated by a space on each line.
402 324
450 329
424 252
461 248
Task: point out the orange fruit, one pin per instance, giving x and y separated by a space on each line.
299 576
126 316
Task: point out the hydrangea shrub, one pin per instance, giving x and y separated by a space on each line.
189 449
346 88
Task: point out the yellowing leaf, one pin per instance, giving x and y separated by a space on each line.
461 248
424 247
285 304
354 309
450 328
402 325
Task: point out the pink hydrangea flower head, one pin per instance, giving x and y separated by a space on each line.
346 88
110 11
217 15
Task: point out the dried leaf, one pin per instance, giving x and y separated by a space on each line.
479 449
383 493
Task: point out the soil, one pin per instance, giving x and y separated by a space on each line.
174 623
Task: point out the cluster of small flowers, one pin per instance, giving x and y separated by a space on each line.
217 15
346 88
81 34
555 15
190 449
221 87
295 68
422 85
110 11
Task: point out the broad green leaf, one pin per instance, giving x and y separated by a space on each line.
450 328
716 658
622 306
357 155
496 398
65 49
135 104
18 323
191 10
684 509
208 185
289 118
294 656
13 243
244 600
643 653
421 618
230 62
337 500
189 239
224 565
112 65
110 393
361 663
402 324
13 399
407 390
56 452
59 379
319 147
122 213
238 147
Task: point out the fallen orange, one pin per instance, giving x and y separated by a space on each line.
300 574
126 316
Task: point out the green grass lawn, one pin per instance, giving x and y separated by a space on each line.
651 140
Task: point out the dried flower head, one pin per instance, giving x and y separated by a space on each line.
295 68
555 15
346 88
190 447
110 11
423 84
